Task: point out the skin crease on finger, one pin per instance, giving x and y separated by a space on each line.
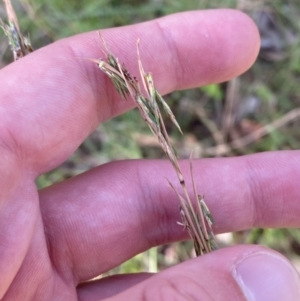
51 100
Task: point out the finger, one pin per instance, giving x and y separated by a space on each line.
18 218
237 273
109 286
107 215
52 99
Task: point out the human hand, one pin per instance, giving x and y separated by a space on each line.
55 239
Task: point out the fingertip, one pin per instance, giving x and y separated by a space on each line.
235 45
247 40
267 275
204 47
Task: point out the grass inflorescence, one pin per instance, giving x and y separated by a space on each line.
197 221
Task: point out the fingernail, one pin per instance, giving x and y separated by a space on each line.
267 277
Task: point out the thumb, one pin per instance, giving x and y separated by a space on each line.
251 273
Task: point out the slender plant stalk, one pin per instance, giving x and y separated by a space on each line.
197 221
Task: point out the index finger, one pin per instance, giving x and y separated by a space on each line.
54 98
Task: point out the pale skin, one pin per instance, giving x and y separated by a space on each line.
53 240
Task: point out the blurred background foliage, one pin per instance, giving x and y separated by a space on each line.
259 111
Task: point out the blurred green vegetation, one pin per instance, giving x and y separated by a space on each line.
264 94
